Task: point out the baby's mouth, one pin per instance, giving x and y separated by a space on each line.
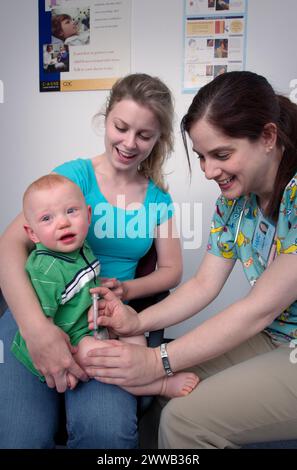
67 237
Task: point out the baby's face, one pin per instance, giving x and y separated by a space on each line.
59 217
69 28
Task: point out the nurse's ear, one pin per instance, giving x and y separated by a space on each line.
269 136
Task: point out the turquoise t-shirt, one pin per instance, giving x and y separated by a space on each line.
118 237
223 231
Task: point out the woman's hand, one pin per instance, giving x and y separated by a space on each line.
117 287
51 353
120 318
124 364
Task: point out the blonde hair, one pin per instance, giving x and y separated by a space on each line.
49 181
153 94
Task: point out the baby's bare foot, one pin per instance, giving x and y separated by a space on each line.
180 385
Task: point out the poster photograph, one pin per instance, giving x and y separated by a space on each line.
83 44
214 40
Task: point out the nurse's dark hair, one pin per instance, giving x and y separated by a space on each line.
240 104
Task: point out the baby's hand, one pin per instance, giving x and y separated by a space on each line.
72 381
117 287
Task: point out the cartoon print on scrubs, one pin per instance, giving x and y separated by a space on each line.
253 264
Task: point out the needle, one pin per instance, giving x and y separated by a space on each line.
95 313
102 332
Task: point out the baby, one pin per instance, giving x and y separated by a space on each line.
67 30
63 268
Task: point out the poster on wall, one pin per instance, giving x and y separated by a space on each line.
214 40
83 44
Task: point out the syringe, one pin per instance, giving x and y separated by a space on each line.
95 313
99 332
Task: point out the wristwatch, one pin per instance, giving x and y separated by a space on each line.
165 359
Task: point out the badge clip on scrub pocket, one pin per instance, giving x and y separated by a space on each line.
263 237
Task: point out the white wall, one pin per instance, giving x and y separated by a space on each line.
40 130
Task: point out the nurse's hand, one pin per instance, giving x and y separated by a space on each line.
124 364
118 317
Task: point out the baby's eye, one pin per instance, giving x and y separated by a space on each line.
45 218
71 210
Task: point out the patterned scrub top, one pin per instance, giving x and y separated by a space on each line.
242 220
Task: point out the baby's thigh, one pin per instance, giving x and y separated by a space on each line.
85 345
140 340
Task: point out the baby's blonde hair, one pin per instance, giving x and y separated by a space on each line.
49 181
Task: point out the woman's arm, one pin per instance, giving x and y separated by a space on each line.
14 249
183 303
190 298
169 265
273 292
39 334
166 276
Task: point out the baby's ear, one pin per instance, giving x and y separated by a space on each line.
89 214
31 234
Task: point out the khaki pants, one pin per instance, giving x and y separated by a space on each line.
247 395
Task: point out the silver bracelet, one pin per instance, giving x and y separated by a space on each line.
165 359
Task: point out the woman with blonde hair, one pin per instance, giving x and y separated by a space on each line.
130 210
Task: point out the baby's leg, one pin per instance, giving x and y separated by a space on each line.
179 385
84 346
140 339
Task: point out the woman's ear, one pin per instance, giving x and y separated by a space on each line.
31 234
269 136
